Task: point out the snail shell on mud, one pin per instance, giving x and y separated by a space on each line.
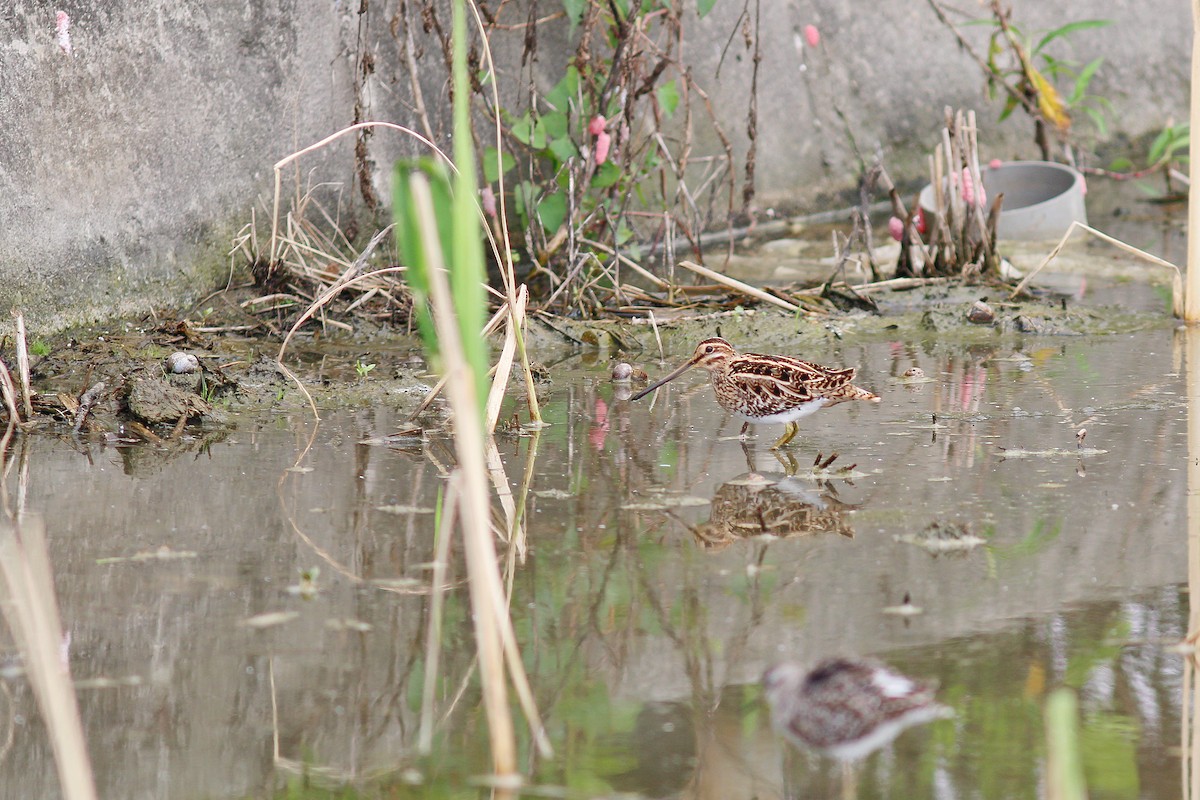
182 363
981 313
914 372
627 373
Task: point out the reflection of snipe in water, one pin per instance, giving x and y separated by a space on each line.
846 708
768 389
780 506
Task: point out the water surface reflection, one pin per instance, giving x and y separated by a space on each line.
659 568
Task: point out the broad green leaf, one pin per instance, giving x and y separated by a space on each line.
414 250
1097 118
492 166
1069 28
551 211
574 9
523 201
555 124
564 149
606 175
537 139
1010 105
704 6
1159 145
1083 79
564 91
668 97
522 129
1178 142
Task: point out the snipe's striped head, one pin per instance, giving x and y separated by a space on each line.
711 354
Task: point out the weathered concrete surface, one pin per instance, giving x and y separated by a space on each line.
127 167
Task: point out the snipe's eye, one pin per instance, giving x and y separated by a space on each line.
708 349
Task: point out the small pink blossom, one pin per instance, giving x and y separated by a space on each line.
62 33
603 142
968 187
596 126
896 228
487 198
920 222
812 35
995 163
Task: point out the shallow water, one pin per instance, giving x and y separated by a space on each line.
645 597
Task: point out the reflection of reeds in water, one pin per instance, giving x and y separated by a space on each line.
756 505
27 599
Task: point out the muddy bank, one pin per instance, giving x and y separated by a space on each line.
154 379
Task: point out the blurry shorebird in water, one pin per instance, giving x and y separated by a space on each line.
846 708
763 389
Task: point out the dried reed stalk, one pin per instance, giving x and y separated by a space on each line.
742 288
516 309
1191 305
31 610
448 508
1177 299
23 365
493 627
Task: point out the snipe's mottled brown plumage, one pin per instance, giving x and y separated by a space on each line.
755 504
846 707
768 389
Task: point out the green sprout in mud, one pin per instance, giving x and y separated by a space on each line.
208 392
363 369
307 587
39 348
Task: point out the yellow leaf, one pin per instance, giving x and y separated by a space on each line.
1049 101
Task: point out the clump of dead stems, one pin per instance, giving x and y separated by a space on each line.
957 237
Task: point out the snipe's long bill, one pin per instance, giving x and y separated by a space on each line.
767 389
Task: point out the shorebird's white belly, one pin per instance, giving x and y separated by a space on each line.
791 415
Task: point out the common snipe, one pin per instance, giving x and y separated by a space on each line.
768 389
845 708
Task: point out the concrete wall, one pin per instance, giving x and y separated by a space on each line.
127 167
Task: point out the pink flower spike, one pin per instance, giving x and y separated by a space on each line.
62 33
487 199
995 163
921 224
603 142
812 35
896 228
596 126
968 187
